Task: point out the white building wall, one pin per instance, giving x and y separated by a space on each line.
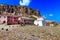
40 22
3 18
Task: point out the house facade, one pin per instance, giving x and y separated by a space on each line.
3 19
8 19
11 20
40 21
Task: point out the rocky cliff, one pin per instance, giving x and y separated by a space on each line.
18 10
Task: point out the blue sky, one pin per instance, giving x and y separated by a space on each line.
49 9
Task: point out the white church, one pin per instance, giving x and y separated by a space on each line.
40 21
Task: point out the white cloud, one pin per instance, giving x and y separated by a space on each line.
44 16
50 14
24 2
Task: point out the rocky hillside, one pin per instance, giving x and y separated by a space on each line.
18 10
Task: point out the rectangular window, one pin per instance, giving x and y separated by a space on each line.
4 16
0 16
15 18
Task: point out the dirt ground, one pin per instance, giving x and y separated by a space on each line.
29 32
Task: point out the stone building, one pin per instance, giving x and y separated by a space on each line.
51 23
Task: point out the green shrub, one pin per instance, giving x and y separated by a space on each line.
33 17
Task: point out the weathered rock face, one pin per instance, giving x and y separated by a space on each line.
18 10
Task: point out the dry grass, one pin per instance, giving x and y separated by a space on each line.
30 32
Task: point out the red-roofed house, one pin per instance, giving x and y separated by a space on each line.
9 19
